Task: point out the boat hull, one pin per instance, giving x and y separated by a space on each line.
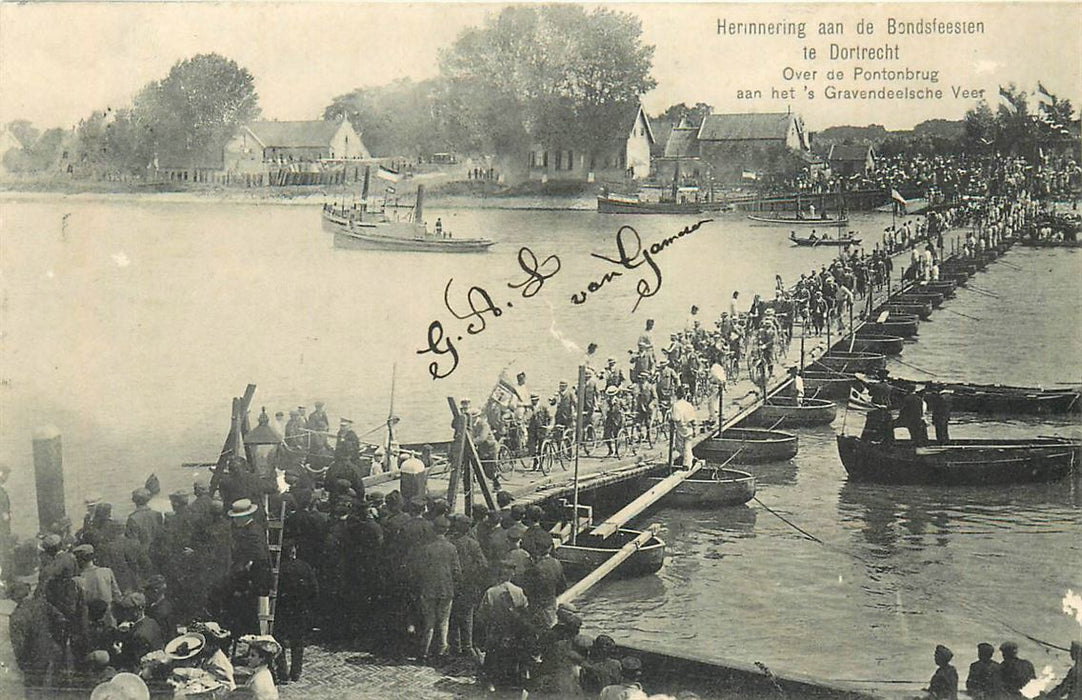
402 236
608 205
922 311
882 344
748 446
783 412
961 462
787 221
999 399
900 327
824 242
911 296
590 552
708 490
827 385
838 361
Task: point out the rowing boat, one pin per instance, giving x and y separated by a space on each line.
591 551
902 325
822 242
785 412
973 461
912 296
997 398
748 446
794 221
710 487
827 385
842 361
882 344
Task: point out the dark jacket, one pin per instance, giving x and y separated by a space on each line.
983 680
298 589
436 569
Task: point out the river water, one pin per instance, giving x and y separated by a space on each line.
129 325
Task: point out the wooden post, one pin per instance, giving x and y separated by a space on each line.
457 451
578 438
48 475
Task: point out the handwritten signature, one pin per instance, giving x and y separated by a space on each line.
631 255
481 309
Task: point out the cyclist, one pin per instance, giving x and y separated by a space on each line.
645 400
565 405
540 424
614 420
666 386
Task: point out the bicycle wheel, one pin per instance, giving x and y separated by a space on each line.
505 460
627 441
589 439
548 457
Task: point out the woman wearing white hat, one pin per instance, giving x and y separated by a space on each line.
262 648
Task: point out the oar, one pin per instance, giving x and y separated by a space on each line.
1004 262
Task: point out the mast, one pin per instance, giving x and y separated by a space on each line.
364 189
391 422
419 207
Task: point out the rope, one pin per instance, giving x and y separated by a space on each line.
970 607
959 313
912 366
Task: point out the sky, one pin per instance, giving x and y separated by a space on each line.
59 62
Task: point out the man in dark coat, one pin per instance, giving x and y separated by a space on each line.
143 634
160 606
251 556
474 582
437 573
944 683
983 680
536 540
36 651
1014 673
542 582
145 522
298 591
911 417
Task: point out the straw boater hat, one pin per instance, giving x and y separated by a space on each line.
242 507
185 646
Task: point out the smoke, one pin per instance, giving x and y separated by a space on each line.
1072 605
1039 684
568 344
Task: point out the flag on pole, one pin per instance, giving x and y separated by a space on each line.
388 174
1006 101
749 175
897 197
1043 96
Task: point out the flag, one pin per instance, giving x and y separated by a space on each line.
749 175
1006 101
897 197
388 174
1043 96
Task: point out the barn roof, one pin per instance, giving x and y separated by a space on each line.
683 143
313 134
745 127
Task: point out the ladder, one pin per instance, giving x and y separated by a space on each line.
275 532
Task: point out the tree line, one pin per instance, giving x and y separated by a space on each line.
188 115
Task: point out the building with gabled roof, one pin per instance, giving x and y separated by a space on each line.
850 159
623 154
259 144
763 143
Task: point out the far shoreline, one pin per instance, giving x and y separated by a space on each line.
291 196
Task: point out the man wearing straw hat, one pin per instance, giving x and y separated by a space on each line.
251 567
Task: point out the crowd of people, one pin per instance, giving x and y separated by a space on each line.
989 679
180 599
